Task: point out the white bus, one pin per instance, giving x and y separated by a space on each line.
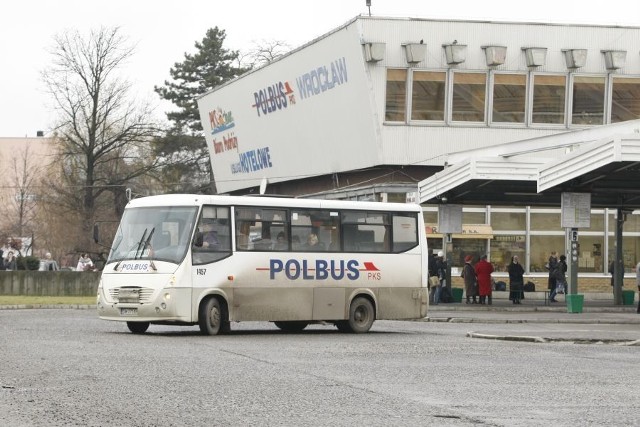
212 260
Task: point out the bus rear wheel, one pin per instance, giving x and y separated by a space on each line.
291 326
361 317
212 318
138 327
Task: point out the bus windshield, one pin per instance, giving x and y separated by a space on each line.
159 233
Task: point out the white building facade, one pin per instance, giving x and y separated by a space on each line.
373 107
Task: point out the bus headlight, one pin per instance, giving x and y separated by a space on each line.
167 296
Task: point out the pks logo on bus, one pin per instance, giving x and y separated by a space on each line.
321 269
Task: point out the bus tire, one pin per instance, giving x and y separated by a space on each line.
292 326
361 315
138 327
212 318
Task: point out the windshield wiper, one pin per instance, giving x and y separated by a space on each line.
147 244
141 244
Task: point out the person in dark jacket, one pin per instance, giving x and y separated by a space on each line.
516 280
441 270
434 280
552 266
470 282
559 270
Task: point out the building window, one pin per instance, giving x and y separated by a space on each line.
468 98
625 99
630 245
464 247
548 99
474 216
395 107
541 248
546 220
508 221
503 247
428 95
588 100
509 98
590 255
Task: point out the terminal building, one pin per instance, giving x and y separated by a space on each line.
380 108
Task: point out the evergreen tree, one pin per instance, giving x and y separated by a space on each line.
183 149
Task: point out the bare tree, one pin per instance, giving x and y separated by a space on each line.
103 134
264 52
19 202
25 182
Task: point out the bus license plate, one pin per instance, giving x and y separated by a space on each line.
128 312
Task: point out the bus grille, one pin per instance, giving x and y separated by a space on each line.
145 294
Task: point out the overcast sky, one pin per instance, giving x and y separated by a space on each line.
164 30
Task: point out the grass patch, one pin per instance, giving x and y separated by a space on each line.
48 300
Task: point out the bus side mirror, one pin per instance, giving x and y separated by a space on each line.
96 233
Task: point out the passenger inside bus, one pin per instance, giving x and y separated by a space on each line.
209 235
281 243
313 244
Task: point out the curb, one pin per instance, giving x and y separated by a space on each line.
516 321
533 339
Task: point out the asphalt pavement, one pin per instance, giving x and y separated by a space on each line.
598 320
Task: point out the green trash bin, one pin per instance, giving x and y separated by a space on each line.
628 297
574 303
456 294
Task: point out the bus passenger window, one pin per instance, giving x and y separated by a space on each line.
212 239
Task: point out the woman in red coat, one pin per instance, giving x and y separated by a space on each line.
483 272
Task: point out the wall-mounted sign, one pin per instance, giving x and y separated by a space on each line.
469 231
576 210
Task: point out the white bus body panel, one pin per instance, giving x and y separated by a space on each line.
269 285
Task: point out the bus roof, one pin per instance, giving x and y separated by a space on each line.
203 199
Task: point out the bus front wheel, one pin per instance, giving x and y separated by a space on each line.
212 318
138 327
361 317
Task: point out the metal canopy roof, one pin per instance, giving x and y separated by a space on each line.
536 173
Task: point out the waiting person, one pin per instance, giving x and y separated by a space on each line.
10 262
483 273
441 271
48 263
612 271
516 280
552 266
561 279
434 281
84 263
470 280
